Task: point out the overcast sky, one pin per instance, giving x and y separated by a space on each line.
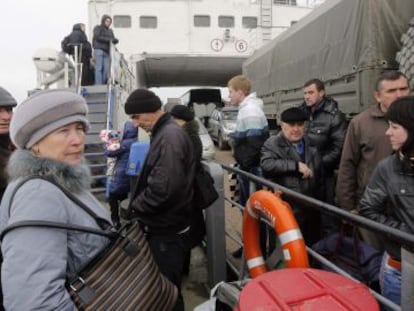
27 25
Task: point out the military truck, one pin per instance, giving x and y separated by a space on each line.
345 43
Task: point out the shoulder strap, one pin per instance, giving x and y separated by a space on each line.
55 225
102 223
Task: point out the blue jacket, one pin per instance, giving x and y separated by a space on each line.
120 183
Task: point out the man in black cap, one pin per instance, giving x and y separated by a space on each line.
162 198
290 160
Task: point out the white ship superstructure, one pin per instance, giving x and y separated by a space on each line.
194 42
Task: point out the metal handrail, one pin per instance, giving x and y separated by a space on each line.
396 235
402 238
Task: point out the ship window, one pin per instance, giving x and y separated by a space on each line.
122 21
285 2
201 20
226 21
249 22
148 21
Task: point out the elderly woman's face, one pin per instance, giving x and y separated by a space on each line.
397 134
65 144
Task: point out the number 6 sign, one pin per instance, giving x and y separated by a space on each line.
241 46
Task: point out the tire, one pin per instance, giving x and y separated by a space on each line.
405 57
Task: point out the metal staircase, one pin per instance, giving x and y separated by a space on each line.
97 99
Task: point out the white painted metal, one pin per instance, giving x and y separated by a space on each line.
176 53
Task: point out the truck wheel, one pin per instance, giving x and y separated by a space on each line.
405 57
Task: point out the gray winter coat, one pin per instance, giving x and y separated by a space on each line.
36 260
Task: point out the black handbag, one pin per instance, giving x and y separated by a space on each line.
359 259
124 276
204 191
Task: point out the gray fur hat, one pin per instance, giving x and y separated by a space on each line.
6 99
44 112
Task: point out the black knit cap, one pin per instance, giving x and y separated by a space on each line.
401 111
6 100
293 115
142 101
182 112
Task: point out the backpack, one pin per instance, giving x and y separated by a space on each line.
66 46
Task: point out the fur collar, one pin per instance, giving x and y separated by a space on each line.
23 163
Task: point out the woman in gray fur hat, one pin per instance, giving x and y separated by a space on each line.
48 130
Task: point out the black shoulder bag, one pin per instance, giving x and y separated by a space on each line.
204 191
124 276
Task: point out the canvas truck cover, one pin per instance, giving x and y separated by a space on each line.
337 40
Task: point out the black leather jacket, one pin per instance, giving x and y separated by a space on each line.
326 130
162 198
389 198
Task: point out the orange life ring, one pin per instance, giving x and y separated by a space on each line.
280 214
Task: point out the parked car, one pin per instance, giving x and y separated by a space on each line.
209 150
221 123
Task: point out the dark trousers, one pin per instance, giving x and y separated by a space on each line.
114 201
169 253
244 183
330 223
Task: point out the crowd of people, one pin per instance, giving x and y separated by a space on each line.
370 161
45 136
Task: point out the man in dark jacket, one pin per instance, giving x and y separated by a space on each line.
7 102
103 36
288 159
79 39
162 198
326 128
